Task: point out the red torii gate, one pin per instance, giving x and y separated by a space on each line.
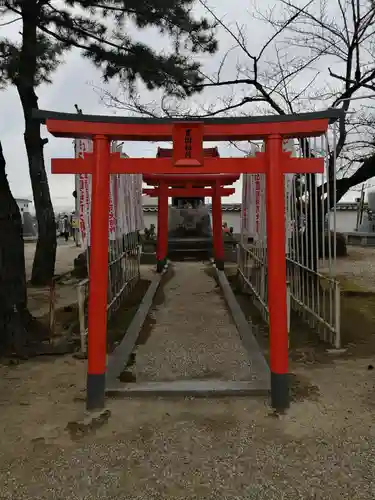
210 185
188 158
187 192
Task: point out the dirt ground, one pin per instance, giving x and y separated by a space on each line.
66 293
356 274
65 255
322 448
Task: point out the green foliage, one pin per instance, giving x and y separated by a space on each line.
48 54
99 28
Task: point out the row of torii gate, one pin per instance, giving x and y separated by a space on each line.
189 185
189 165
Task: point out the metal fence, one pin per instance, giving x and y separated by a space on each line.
313 292
123 275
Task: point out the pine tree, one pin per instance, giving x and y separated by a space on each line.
98 28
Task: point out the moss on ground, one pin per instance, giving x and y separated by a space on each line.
120 321
357 325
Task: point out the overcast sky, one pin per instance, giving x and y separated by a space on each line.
73 84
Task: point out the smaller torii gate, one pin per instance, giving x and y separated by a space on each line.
188 157
194 186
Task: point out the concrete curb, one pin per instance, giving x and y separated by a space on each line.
118 360
189 388
249 342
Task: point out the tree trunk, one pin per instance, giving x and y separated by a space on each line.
26 81
45 255
19 331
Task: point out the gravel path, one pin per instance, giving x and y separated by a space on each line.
194 336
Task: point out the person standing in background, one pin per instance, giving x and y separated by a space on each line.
65 227
225 228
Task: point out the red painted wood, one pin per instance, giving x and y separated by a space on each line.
217 225
97 312
276 262
168 152
161 166
164 131
189 192
188 144
202 180
162 230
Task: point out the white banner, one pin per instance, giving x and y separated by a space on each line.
82 146
254 201
289 146
125 200
113 202
139 204
244 205
111 210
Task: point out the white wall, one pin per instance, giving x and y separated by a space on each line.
231 218
345 220
23 206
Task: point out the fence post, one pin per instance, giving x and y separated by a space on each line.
289 308
337 315
81 315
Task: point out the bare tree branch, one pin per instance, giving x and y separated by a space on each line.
318 55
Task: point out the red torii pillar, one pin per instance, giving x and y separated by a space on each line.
217 227
162 233
188 137
97 314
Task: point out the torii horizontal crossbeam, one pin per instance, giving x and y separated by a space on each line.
201 180
161 129
189 192
119 165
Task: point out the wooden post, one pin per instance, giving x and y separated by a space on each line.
217 227
97 314
277 296
162 234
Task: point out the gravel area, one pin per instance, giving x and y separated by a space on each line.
38 297
194 336
65 254
358 267
230 449
188 449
